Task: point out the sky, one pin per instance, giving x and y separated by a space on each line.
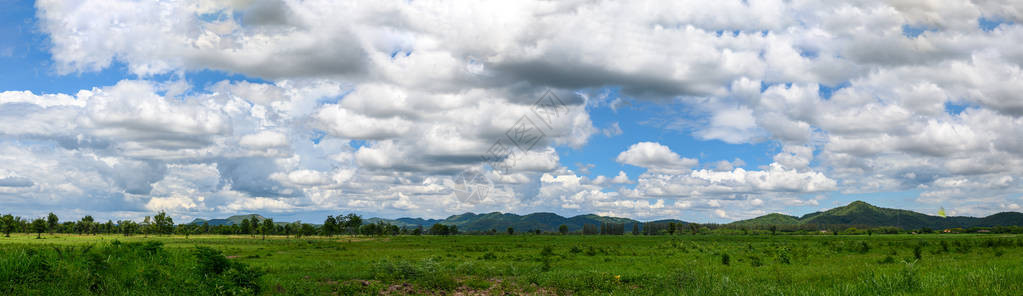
706 111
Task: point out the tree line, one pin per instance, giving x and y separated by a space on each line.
353 224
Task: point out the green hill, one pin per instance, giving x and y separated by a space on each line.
233 220
862 213
501 221
855 213
769 219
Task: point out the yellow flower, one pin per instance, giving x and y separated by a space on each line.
618 277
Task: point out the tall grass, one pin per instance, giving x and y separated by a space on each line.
120 269
521 264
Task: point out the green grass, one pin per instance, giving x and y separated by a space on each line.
524 264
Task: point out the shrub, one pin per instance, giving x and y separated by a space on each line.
575 250
725 259
210 261
755 261
864 248
224 276
784 256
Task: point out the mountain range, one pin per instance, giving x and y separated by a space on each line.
855 213
233 220
862 213
501 221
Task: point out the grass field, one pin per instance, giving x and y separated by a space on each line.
520 264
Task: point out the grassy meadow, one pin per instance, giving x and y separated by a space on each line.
932 264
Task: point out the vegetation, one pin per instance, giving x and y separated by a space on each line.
682 264
347 255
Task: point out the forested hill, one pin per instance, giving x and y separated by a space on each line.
862 213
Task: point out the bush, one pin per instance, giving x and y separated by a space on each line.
575 250
224 276
784 256
210 261
755 261
725 259
123 269
864 248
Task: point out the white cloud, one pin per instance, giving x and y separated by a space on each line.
654 156
369 104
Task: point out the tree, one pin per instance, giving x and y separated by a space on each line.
109 227
7 224
352 222
39 226
671 228
329 226
163 223
635 228
268 227
511 231
86 225
128 227
439 229
774 229
308 229
563 229
147 226
52 222
246 226
185 229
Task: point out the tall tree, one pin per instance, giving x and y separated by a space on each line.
563 229
7 224
147 226
128 227
52 222
246 226
86 225
353 222
268 227
329 226
39 226
163 223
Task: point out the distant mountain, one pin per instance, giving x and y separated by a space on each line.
769 219
862 213
237 219
501 221
855 213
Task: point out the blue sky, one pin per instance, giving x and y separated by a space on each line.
712 114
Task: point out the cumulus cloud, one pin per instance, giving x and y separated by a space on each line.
654 156
373 105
